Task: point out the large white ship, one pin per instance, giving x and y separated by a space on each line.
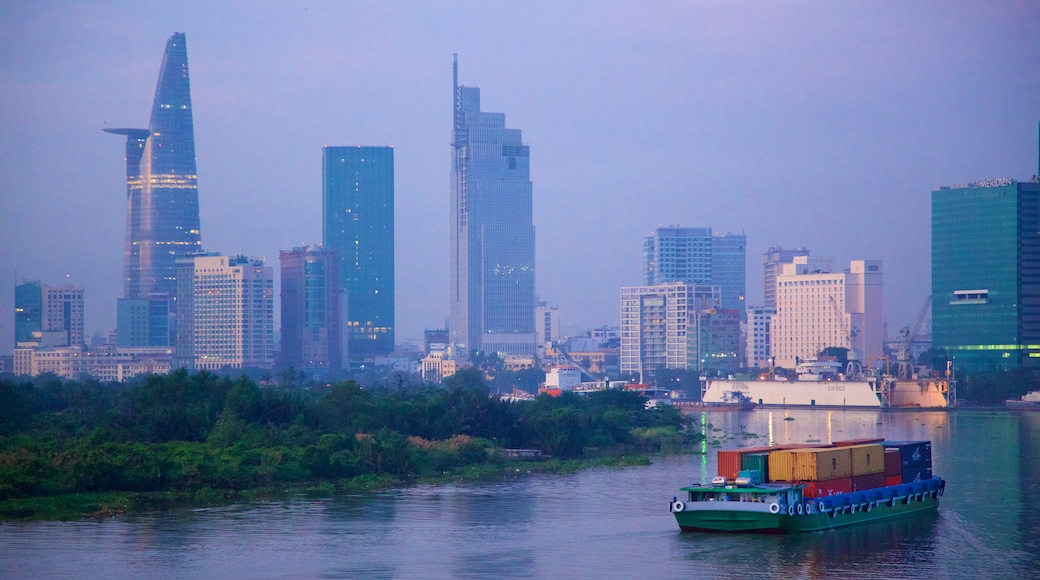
820 384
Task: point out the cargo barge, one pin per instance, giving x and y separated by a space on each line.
811 489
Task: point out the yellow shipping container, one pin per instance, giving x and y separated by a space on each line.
817 464
781 465
822 464
867 459
810 465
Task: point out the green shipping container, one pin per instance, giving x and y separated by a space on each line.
759 461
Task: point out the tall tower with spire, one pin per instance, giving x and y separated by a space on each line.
492 233
162 200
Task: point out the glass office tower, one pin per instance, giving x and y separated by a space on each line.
358 224
28 310
698 256
492 297
162 200
986 275
311 316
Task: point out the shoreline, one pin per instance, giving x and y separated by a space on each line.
111 504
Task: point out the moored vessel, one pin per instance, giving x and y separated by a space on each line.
812 488
820 384
1028 402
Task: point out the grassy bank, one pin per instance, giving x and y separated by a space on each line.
102 505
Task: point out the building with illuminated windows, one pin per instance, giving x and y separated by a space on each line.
227 312
492 299
358 224
162 201
312 326
986 275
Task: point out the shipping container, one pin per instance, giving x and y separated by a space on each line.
758 461
868 481
850 442
729 463
916 473
867 459
893 463
816 489
917 453
893 480
810 464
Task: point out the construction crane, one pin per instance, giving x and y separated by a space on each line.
910 333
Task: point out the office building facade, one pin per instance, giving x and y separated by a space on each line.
312 326
986 275
759 336
230 319
358 225
49 315
28 310
492 270
661 327
698 256
162 202
143 322
818 310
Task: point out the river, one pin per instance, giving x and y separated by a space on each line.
599 523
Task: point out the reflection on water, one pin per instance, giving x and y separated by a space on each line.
610 523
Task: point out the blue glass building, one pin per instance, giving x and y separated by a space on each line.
697 256
28 310
492 232
162 201
986 276
358 224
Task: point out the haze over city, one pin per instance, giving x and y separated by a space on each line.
803 124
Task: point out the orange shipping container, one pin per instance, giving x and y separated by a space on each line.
867 459
893 462
817 489
850 442
729 463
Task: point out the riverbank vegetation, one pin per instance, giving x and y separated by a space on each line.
95 447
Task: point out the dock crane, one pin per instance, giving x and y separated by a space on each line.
909 334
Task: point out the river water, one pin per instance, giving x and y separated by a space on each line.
600 523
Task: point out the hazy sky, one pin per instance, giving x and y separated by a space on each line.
819 124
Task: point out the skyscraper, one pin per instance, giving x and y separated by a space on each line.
986 275
358 224
311 315
492 296
162 202
698 256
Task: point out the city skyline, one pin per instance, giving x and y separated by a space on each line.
750 118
